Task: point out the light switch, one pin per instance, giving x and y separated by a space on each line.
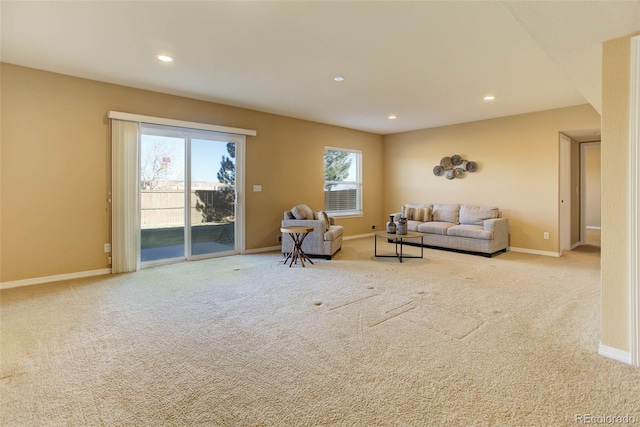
257 188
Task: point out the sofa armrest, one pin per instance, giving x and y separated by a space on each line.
499 227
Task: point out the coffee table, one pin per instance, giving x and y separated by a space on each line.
399 240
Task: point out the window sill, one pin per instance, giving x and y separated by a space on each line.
351 214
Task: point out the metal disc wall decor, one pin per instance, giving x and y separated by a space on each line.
445 162
454 167
472 166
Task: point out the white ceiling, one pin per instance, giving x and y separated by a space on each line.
429 63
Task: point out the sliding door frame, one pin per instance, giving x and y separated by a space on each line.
240 168
188 135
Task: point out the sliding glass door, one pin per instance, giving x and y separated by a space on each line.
162 202
188 197
213 196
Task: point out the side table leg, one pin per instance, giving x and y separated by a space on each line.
297 253
302 253
292 255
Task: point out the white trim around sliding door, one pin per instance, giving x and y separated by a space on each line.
238 135
188 135
178 123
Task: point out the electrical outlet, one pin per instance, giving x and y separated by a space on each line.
546 235
109 260
373 227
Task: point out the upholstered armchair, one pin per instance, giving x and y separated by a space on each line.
325 239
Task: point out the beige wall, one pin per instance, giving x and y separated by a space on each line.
55 166
616 62
518 169
592 184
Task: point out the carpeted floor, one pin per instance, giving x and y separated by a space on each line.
451 339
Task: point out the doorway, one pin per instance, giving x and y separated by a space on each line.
579 181
188 197
590 220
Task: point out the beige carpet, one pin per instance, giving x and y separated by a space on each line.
451 339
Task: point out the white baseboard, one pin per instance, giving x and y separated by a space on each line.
56 278
260 250
592 227
615 354
358 236
533 251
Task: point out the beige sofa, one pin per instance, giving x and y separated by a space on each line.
459 227
325 239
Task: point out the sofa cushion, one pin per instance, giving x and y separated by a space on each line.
446 213
302 212
322 216
473 231
413 225
475 215
413 212
435 227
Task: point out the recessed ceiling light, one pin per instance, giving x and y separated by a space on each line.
489 98
165 58
338 78
393 117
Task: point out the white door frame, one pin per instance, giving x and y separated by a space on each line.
564 194
634 202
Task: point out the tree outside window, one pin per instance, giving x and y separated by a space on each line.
342 181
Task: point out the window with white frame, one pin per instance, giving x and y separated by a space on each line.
342 181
